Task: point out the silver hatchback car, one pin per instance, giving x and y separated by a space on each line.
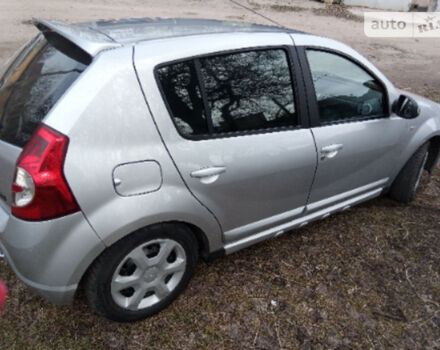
128 148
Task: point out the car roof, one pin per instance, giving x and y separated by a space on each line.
141 29
94 37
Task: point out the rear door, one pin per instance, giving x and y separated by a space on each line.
242 146
356 138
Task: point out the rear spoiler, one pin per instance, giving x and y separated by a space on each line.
81 41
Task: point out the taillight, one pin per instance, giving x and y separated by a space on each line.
40 191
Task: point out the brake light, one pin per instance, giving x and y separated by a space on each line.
40 190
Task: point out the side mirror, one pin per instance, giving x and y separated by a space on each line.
406 107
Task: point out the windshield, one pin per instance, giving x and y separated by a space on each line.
31 86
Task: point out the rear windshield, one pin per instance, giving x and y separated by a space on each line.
37 78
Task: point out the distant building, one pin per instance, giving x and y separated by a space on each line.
397 5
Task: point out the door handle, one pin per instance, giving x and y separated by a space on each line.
330 151
208 172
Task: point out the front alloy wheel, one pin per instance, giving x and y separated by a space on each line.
406 183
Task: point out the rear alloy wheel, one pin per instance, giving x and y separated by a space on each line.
143 273
148 274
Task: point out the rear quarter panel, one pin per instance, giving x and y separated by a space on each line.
108 124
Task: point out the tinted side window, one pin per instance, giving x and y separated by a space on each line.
249 90
182 92
34 85
344 90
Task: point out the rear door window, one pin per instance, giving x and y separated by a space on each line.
249 91
230 94
32 88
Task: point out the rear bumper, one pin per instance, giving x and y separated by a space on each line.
50 257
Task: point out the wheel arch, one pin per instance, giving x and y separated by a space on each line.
199 234
433 153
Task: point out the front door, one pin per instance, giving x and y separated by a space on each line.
356 140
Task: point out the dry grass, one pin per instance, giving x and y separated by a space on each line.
432 94
276 7
286 8
339 11
365 278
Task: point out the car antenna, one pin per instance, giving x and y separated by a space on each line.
257 13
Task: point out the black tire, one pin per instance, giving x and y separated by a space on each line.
100 276
405 185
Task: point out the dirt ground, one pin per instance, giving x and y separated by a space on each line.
368 278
